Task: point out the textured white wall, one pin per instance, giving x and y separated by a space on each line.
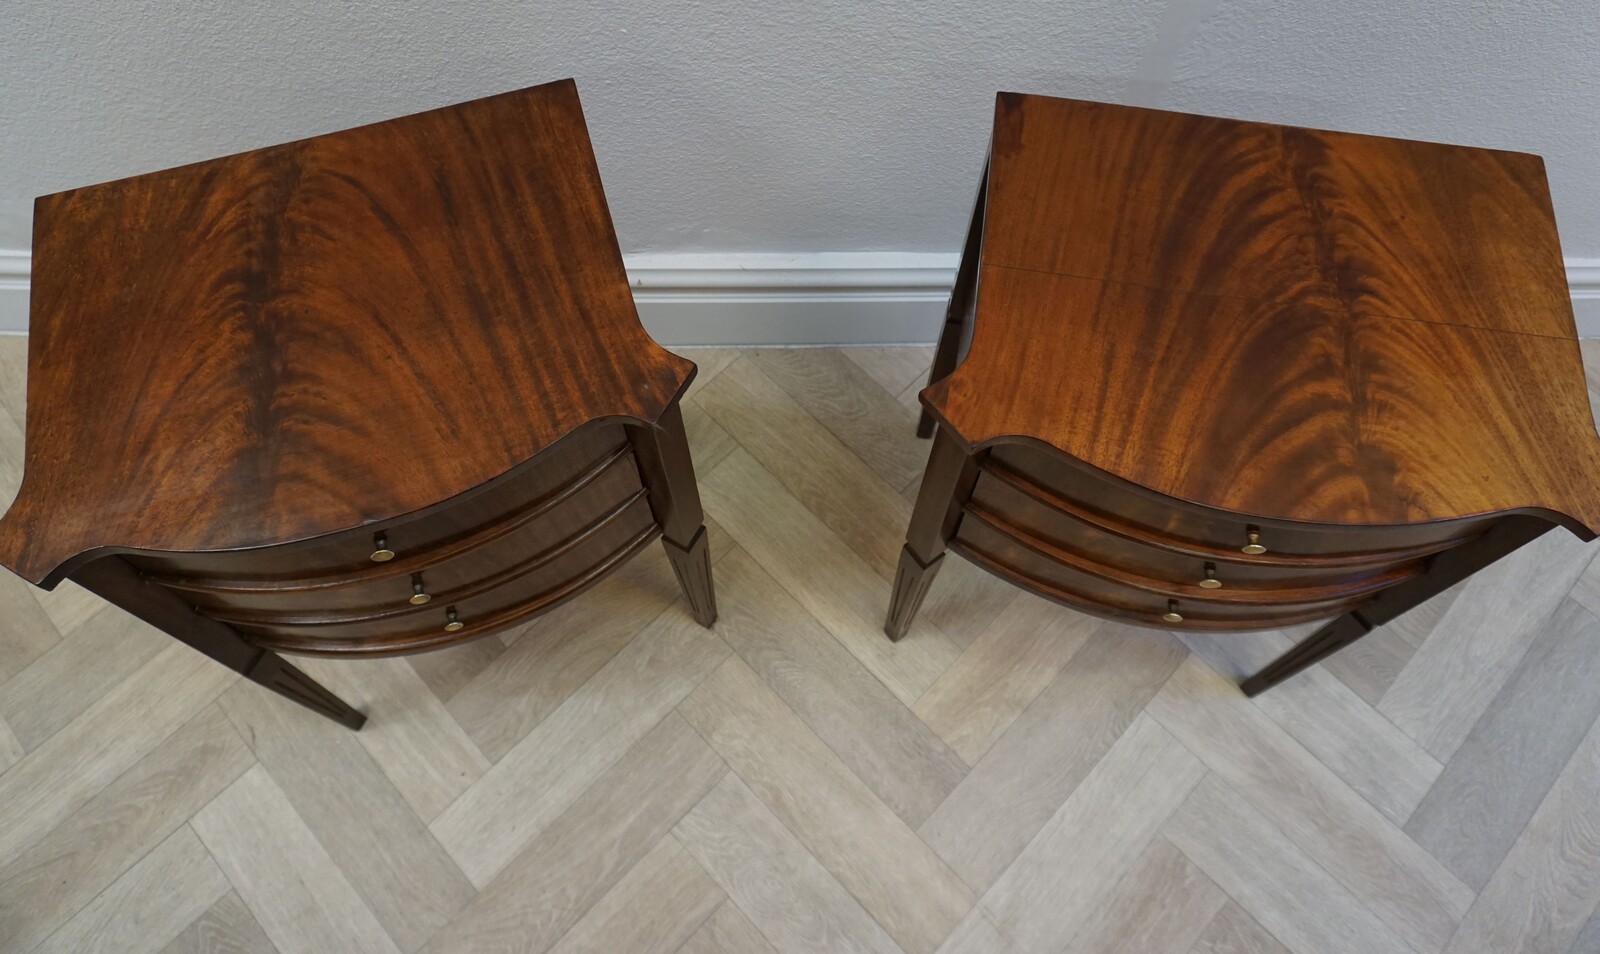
725 125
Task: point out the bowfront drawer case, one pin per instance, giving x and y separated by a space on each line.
1206 374
375 392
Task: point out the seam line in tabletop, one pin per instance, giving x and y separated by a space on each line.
1360 313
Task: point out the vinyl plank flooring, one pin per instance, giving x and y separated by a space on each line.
1001 673
1502 771
1066 873
26 632
823 575
1475 647
552 882
1383 764
52 880
447 670
14 375
68 605
709 363
873 733
1371 664
811 463
343 797
75 672
527 789
11 750
283 874
848 402
654 909
226 927
122 727
964 601
148 906
708 441
727 931
1272 879
558 652
1548 887
903 884
1162 906
11 459
1404 885
1234 931
793 901
1026 775
894 367
411 736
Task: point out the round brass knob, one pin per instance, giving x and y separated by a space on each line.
1172 615
451 622
1253 547
380 549
1209 581
418 594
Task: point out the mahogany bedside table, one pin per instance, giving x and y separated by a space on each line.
368 393
1228 375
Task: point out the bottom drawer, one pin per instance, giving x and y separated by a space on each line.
442 621
1005 555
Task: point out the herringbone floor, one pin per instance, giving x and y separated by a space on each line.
1012 777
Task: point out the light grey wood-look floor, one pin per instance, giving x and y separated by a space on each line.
1013 777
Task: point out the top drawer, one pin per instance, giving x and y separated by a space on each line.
1017 473
583 453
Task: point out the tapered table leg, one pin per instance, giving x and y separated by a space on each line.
663 454
117 583
946 485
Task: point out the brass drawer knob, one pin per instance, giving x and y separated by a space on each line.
380 548
418 594
1209 581
451 622
1253 547
1172 615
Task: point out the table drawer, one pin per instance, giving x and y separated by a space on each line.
1007 496
565 464
501 595
1141 514
1018 556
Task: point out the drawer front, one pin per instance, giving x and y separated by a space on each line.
1013 554
474 559
559 466
514 595
1175 522
1003 496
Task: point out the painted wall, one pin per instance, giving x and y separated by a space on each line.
828 126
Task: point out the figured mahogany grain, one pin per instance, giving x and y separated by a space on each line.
321 335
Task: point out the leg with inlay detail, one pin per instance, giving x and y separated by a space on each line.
668 472
946 485
117 583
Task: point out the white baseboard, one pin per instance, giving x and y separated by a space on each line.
817 299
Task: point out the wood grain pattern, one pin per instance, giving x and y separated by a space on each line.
294 889
287 359
1288 892
1499 775
227 927
905 886
1161 906
789 896
574 862
727 931
654 909
1549 885
149 905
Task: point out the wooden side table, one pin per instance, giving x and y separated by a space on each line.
368 393
1229 375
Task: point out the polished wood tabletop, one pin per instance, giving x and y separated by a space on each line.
1284 322
323 334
